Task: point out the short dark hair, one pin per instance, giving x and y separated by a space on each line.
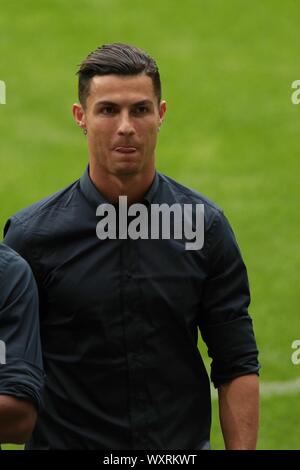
118 59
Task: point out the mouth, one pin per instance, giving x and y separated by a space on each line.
125 149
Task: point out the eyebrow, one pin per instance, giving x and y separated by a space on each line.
112 103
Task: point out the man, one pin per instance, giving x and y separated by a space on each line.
21 370
120 314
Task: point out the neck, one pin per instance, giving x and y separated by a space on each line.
134 186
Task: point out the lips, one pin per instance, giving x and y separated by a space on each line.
125 149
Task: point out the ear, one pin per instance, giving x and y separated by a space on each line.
79 115
162 111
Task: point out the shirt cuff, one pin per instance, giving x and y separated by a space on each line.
232 347
22 380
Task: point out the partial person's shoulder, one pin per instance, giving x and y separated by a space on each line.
8 256
184 194
12 265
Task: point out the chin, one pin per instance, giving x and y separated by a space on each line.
127 171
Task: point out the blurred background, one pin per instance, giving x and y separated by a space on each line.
231 132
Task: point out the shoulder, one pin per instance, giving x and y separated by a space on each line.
40 218
218 229
27 228
186 194
47 206
174 192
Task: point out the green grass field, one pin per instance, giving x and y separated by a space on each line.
231 132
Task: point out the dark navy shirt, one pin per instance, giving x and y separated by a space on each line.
21 367
120 319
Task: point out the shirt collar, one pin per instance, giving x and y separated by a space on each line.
94 196
148 197
89 190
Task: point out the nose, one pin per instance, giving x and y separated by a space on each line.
125 125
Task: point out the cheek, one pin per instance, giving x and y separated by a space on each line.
102 132
149 132
152 134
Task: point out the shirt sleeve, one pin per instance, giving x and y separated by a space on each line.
224 323
14 236
21 367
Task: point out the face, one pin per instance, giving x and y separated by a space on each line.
122 118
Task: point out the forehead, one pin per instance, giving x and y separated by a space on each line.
119 89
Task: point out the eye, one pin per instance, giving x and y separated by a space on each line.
142 109
107 109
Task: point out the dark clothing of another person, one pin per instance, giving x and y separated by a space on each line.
21 367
